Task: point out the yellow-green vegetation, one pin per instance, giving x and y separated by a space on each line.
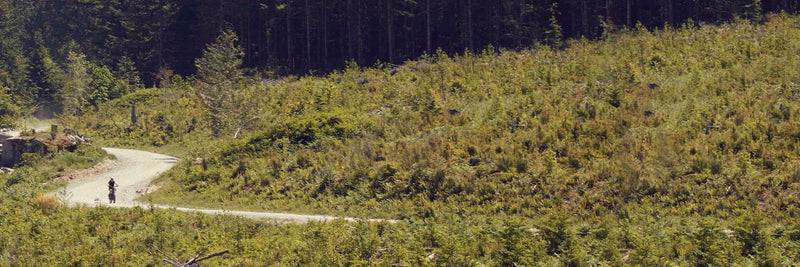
647 147
41 170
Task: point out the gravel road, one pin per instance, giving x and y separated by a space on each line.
133 175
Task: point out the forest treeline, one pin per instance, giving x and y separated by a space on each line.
160 38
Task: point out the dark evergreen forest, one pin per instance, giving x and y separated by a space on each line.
161 38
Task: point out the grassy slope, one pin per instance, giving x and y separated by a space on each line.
647 136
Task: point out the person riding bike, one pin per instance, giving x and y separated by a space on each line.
112 198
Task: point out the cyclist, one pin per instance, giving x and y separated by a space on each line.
112 197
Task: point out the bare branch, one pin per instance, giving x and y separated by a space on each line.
242 125
208 257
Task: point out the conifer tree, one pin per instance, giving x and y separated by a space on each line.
8 110
73 95
45 73
126 71
13 63
553 34
218 75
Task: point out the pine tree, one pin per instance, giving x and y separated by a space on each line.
45 73
752 10
127 72
553 35
8 110
73 95
14 65
218 75
103 85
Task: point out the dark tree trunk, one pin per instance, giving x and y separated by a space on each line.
221 16
469 25
585 17
324 25
359 35
670 13
520 24
160 46
289 58
628 13
268 39
389 28
428 26
308 35
350 39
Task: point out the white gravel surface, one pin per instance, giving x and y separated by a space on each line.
133 175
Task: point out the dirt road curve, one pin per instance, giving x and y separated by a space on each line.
134 173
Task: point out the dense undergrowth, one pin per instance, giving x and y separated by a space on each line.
674 145
37 230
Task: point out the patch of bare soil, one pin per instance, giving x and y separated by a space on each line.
76 175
